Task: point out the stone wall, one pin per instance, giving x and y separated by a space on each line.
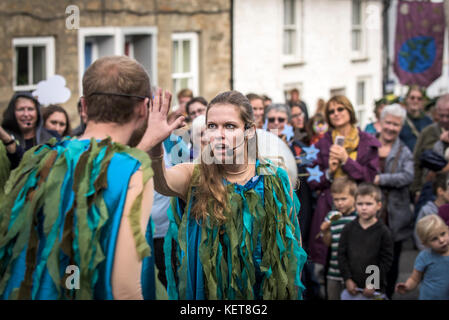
38 18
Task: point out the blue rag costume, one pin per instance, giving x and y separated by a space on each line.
63 208
255 254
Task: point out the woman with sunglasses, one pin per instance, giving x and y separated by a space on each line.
416 119
233 223
277 117
345 150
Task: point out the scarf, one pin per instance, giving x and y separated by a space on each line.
351 144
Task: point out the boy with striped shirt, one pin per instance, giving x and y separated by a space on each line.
343 194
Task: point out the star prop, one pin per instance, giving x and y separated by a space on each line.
311 152
314 174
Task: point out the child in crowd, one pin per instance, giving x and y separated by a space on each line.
317 127
431 265
441 191
343 194
365 245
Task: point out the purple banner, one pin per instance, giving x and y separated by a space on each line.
419 42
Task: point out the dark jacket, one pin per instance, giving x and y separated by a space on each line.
407 136
400 216
359 248
363 169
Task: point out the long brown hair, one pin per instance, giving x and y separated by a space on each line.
209 187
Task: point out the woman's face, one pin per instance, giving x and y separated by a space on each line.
258 109
297 118
225 132
26 114
339 116
414 103
276 121
57 122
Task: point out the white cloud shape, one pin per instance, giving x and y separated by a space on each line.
52 91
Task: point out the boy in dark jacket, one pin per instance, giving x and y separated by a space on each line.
365 251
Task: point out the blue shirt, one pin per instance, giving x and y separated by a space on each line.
435 269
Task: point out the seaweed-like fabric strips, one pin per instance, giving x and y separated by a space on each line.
4 167
64 207
255 254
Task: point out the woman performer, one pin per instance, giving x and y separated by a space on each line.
238 235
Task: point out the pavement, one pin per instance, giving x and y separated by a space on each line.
406 263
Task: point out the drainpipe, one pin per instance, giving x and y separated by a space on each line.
231 18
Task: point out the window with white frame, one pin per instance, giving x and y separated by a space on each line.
291 44
33 61
138 43
361 99
356 26
185 73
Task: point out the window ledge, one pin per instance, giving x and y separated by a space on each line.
359 59
293 64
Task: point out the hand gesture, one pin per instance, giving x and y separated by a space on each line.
444 136
339 153
369 293
334 163
401 288
160 126
351 287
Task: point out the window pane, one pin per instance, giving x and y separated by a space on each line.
39 64
22 66
289 12
289 42
184 83
186 56
175 57
356 12
361 93
356 40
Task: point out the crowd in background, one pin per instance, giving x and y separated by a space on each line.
404 152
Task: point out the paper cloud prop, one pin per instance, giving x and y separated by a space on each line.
52 91
272 147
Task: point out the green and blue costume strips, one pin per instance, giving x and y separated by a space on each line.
63 207
4 167
255 254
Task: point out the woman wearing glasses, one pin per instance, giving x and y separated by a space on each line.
345 150
416 119
277 117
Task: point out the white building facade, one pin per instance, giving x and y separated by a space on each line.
321 47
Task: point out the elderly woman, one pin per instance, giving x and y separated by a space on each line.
396 174
345 150
277 117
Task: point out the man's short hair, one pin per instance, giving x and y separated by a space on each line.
428 226
369 189
116 75
341 184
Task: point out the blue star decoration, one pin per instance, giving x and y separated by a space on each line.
315 174
311 152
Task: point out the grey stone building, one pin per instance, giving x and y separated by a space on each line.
182 43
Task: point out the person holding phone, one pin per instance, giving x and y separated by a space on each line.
345 150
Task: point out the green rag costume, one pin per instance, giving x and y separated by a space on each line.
255 254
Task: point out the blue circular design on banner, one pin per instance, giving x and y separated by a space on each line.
417 54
